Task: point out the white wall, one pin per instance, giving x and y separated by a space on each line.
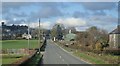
114 40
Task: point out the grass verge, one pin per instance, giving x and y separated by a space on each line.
8 59
91 57
35 60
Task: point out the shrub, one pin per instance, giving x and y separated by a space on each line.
98 46
112 51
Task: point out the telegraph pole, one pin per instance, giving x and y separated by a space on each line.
28 37
39 36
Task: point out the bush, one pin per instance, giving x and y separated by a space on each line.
98 47
112 51
97 51
85 49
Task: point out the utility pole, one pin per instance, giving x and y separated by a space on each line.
39 36
28 38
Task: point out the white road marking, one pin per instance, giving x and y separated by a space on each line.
63 60
60 57
57 53
70 53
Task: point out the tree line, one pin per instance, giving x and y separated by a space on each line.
93 39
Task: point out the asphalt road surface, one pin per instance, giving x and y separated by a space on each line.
55 55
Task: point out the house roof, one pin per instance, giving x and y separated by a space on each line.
116 31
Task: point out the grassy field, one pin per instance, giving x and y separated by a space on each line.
8 59
17 44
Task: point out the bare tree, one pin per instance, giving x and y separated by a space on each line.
57 30
92 36
97 35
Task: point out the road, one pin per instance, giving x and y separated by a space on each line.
55 55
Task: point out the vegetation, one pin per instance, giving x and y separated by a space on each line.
92 45
8 59
17 44
35 60
93 40
91 57
57 31
92 36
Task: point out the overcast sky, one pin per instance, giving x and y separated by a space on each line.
81 15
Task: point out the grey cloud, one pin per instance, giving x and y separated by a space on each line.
86 14
99 5
11 21
46 9
52 4
50 11
8 6
16 5
20 14
46 12
103 20
10 18
10 15
78 14
99 13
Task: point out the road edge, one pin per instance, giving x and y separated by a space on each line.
71 54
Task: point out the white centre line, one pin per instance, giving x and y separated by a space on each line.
63 60
71 54
60 57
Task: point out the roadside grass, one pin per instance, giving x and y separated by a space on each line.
85 57
91 57
66 48
8 59
35 60
17 44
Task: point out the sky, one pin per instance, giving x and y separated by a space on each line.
80 15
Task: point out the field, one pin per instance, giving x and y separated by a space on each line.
17 44
8 59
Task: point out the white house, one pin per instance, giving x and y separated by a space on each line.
26 36
114 38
